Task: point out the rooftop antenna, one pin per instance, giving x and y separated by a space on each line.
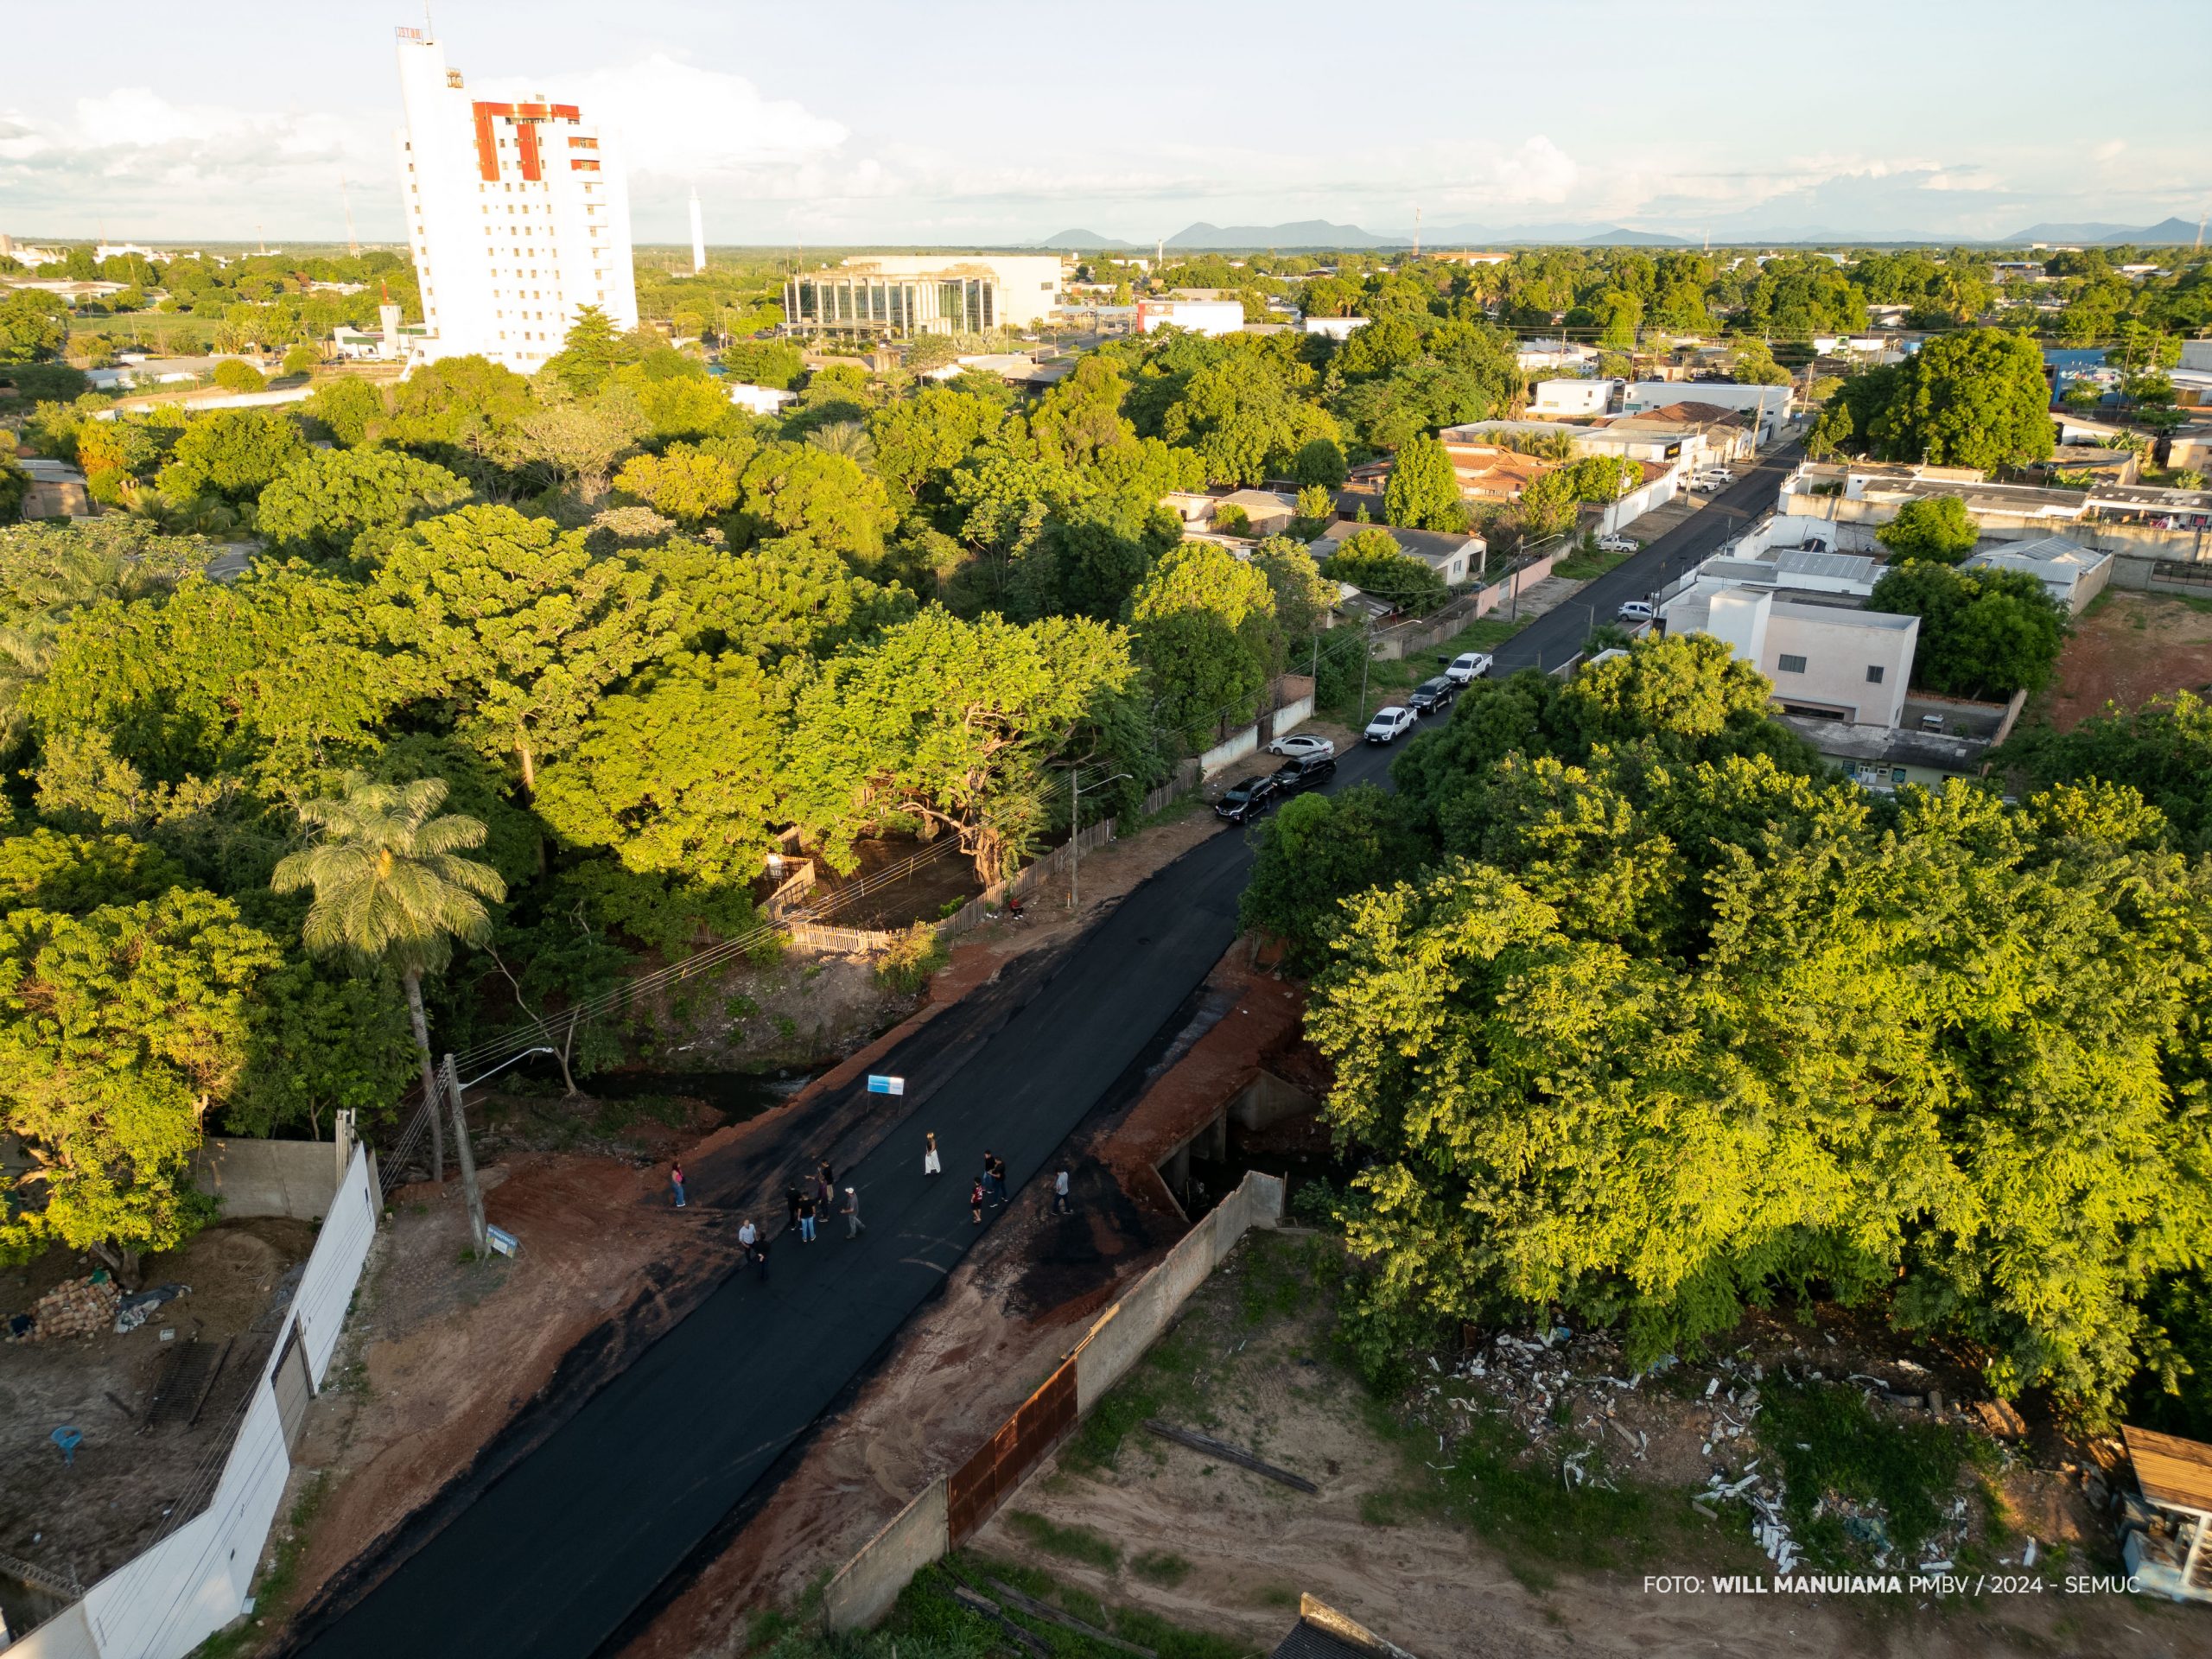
353 241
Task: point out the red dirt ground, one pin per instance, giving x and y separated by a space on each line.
2128 649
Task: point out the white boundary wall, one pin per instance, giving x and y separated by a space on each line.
163 1603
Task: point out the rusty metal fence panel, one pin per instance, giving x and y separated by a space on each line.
986 1479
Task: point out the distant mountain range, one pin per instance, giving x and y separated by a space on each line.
1301 233
1080 239
1321 234
2166 232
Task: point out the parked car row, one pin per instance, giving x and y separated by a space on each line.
1303 772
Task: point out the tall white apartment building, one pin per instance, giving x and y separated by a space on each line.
518 215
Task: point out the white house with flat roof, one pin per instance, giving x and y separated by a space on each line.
1770 403
2071 574
1827 660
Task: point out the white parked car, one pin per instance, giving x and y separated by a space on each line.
1618 545
1636 610
1390 723
1299 744
1469 666
1718 477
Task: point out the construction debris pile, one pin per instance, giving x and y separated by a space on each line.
78 1308
1577 1403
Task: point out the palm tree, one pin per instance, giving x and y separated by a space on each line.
846 438
391 888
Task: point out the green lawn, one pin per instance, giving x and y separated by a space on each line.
184 335
1586 566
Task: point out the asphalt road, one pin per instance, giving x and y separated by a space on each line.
553 1556
1558 634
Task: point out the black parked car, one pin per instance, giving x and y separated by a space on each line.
1247 800
1306 772
1434 697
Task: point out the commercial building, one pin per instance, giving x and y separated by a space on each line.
1337 329
518 214
925 293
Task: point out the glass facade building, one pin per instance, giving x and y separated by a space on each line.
840 302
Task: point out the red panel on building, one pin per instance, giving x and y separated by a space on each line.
487 147
526 141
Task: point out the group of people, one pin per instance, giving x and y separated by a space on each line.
809 1202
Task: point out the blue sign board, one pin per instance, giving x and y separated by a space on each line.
879 1085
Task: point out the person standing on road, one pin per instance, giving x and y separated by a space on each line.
746 1234
998 1178
825 1196
828 1175
931 1164
791 1200
854 1226
975 1201
993 1189
676 1180
806 1221
1060 1192
761 1259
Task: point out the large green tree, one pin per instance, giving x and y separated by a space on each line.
1982 633
512 622
1670 1037
121 1028
950 723
231 454
324 504
1975 398
1424 488
680 775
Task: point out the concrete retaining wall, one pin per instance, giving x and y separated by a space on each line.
865 1586
268 1178
1230 751
1134 1324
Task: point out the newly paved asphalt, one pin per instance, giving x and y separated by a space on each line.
554 1556
1558 634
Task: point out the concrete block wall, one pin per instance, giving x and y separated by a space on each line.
865 1586
268 1178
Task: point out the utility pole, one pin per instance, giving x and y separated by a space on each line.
1075 833
464 1154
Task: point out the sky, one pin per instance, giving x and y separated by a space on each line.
950 121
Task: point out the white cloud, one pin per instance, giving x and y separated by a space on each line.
681 122
1538 171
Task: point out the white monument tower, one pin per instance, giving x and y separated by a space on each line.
698 235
